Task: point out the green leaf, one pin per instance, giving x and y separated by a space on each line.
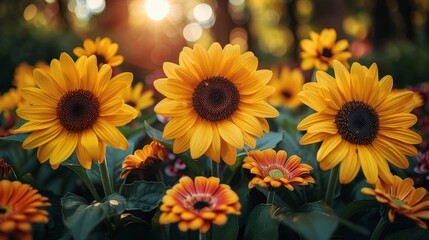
413 233
142 195
269 140
314 220
81 218
16 138
261 225
357 206
191 164
81 172
228 231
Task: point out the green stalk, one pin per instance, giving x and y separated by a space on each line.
105 178
271 195
202 236
215 168
376 234
333 176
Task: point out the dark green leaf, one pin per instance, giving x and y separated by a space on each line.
229 231
413 233
314 220
81 172
270 140
143 196
81 218
16 138
191 164
261 225
357 206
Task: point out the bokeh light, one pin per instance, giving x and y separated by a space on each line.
192 32
156 9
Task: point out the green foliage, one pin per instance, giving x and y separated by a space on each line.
81 218
314 220
261 225
228 231
142 195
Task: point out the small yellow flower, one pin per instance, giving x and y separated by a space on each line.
24 74
288 84
323 49
10 100
103 48
143 158
402 198
273 170
197 205
137 98
19 207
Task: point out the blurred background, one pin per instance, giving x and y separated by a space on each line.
392 33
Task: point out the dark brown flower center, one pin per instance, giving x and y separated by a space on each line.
100 60
201 204
78 110
2 210
357 122
286 94
131 103
215 99
327 53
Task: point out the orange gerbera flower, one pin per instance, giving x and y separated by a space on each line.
402 198
143 157
104 49
196 205
323 49
273 170
19 208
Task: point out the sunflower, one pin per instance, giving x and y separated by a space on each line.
359 120
216 100
104 49
417 97
19 207
288 83
402 198
135 97
143 158
24 74
322 49
273 170
77 107
196 205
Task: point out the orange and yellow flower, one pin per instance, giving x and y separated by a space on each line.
75 107
10 100
288 83
322 49
103 49
196 205
19 207
137 98
402 198
273 170
143 158
360 122
217 101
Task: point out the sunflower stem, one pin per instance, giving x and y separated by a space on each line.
313 76
105 178
331 185
215 168
376 234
